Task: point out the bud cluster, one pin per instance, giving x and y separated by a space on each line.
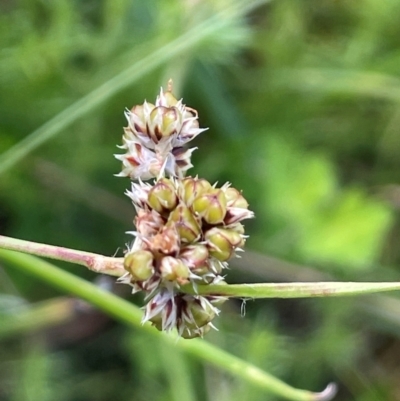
186 228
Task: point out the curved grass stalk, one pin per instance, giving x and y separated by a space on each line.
131 315
137 70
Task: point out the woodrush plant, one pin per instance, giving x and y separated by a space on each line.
186 231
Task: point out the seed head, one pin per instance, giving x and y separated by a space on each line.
186 228
155 136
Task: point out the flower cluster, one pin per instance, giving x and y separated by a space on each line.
155 136
186 228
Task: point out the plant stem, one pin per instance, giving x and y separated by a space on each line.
291 290
93 261
131 315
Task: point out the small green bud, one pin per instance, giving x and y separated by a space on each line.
185 223
162 196
139 264
211 206
173 269
222 242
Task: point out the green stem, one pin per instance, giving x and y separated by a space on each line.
291 290
93 261
131 315
187 41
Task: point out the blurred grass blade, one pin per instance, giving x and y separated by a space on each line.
38 317
177 372
186 42
131 315
356 83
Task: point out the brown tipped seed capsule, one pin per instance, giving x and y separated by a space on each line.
139 264
173 269
185 223
235 199
166 242
211 206
162 196
236 214
222 242
193 187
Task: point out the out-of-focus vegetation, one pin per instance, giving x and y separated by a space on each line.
302 101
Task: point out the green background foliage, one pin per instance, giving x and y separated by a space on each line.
302 101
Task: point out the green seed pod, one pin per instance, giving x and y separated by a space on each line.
235 198
173 269
139 264
193 187
202 314
222 242
211 206
196 313
185 223
162 196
